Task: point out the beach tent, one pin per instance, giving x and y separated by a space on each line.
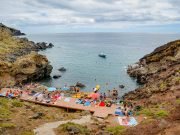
51 89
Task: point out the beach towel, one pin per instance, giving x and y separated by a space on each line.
122 121
37 94
87 103
78 101
3 94
119 112
132 122
67 99
102 104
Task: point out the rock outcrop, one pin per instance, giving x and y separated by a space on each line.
19 60
62 69
159 71
26 68
12 31
80 85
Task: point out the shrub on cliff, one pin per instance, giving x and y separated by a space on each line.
73 128
117 130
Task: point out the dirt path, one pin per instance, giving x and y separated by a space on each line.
47 129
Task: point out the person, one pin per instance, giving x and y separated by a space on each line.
104 96
130 109
95 89
109 93
108 104
62 95
114 94
21 93
94 101
101 96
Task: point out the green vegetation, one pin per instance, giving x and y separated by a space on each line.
9 44
27 133
161 114
146 111
4 113
163 85
178 101
17 103
7 125
117 130
4 108
6 105
154 112
79 129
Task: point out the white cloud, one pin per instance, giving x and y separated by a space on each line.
92 13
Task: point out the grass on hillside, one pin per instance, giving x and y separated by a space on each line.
82 130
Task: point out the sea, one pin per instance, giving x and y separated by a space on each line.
78 53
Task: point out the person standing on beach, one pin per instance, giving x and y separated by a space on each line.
104 96
115 94
109 93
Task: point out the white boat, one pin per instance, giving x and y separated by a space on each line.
102 55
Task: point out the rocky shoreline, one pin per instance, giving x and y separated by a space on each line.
159 71
19 58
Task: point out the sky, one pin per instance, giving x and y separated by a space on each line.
59 16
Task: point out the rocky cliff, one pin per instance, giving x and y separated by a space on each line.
19 62
12 31
159 71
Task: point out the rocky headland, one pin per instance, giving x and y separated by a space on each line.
12 31
19 58
159 71
159 96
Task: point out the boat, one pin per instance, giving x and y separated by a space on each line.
102 55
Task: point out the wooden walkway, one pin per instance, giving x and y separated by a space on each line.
97 111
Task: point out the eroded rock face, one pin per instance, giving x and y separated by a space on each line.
159 71
19 60
26 68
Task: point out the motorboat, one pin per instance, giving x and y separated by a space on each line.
102 55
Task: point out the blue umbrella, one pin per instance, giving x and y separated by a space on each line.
65 88
51 89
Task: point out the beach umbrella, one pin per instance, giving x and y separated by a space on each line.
97 87
51 89
95 95
65 88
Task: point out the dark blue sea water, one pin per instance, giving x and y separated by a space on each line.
78 52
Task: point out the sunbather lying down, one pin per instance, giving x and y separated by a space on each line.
12 93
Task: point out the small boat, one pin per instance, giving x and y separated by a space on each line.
102 55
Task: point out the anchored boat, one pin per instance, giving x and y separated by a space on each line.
102 55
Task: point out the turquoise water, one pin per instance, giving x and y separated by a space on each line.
78 52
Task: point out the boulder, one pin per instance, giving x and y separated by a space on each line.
30 67
163 124
37 115
62 69
73 129
121 86
56 76
81 85
41 45
50 45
